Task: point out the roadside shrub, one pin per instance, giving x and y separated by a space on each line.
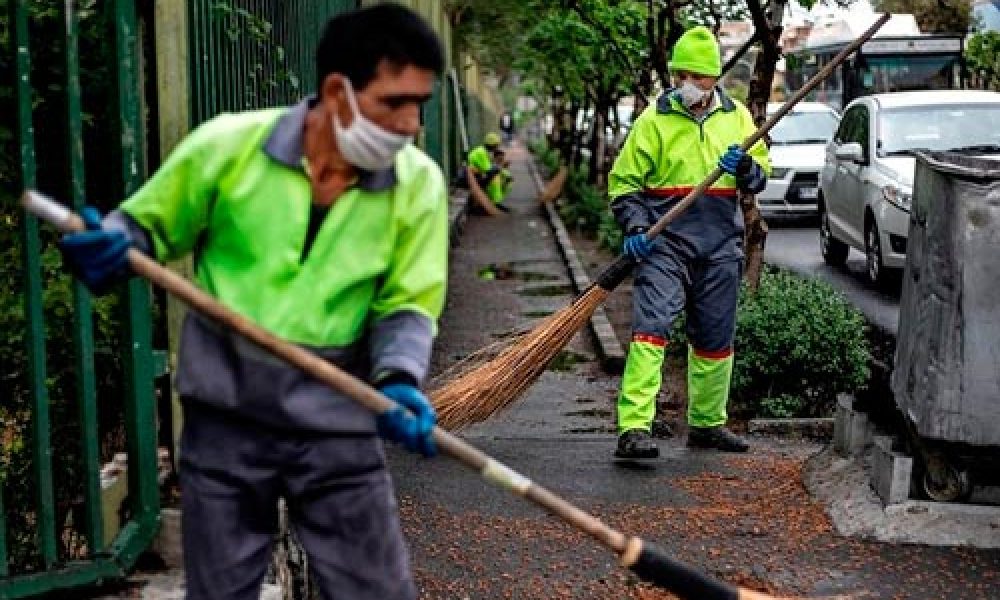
798 343
549 157
583 207
609 233
782 407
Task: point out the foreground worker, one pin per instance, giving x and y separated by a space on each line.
487 169
696 264
323 224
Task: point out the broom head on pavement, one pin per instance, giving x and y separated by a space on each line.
477 394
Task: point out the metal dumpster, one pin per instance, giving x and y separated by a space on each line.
946 380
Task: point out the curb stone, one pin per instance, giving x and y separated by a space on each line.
609 347
820 428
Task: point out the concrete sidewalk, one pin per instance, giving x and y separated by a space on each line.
747 518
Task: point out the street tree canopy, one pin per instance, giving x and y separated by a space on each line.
933 16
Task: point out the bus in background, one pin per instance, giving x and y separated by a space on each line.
886 63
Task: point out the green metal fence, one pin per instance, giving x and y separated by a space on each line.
69 545
249 54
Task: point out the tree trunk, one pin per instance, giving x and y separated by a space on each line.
768 27
557 139
595 175
576 136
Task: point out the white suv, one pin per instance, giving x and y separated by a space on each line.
867 180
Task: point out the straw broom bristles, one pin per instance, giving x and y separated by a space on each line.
483 391
553 189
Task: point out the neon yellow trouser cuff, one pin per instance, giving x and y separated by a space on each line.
640 384
709 375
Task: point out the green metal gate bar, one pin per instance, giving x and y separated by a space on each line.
140 418
83 333
45 502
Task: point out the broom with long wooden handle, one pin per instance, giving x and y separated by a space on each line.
480 392
646 560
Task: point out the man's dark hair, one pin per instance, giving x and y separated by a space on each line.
355 43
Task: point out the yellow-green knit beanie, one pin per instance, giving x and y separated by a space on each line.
697 51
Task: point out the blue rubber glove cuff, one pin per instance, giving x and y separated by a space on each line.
98 257
410 423
637 247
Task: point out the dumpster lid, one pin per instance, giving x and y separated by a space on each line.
960 164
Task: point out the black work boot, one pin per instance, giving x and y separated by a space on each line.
636 443
718 438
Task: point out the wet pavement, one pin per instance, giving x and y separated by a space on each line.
747 519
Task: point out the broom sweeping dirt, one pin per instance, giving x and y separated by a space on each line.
478 393
646 560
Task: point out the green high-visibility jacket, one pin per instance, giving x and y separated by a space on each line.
482 162
667 153
364 291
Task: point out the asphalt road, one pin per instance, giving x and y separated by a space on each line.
795 245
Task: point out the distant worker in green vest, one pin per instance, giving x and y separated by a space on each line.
695 265
488 171
324 224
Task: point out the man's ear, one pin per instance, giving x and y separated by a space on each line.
333 96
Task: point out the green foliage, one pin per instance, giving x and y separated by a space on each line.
251 35
796 338
739 91
583 205
982 56
785 406
549 157
933 16
609 233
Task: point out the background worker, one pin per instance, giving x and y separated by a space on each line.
696 264
323 224
487 175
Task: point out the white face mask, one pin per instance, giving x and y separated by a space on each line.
690 94
364 144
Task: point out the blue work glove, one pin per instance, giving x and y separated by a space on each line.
96 256
736 162
637 247
412 429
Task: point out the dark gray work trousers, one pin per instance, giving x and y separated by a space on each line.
340 501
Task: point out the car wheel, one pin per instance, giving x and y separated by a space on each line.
874 266
833 250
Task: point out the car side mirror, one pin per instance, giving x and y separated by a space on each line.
850 151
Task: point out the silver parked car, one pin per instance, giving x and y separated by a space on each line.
867 179
798 142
